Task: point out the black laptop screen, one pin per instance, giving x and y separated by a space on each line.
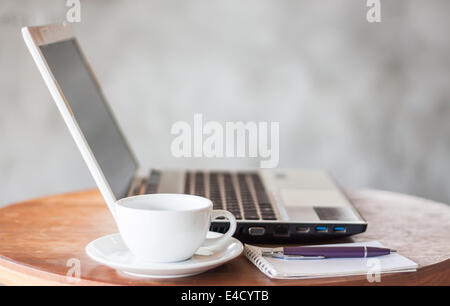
92 114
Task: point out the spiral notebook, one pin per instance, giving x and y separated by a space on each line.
330 267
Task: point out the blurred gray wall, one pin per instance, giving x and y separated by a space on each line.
369 102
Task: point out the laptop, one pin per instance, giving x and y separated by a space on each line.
270 205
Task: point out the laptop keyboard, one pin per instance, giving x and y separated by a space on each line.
242 193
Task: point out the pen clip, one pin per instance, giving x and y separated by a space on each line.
279 253
295 257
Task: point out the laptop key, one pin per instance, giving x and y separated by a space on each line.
199 184
270 218
214 192
187 183
153 182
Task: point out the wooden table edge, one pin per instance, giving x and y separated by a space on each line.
15 274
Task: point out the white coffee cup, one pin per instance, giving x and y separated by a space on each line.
168 227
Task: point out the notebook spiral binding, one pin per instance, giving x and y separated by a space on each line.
255 256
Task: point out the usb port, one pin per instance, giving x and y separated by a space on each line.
322 229
302 229
256 231
339 229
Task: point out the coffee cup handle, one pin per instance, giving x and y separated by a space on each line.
216 242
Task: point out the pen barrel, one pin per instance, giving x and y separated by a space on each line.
336 252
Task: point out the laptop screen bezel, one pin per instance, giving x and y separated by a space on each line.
42 35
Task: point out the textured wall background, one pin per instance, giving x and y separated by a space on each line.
370 102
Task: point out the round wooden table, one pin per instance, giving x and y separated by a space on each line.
42 243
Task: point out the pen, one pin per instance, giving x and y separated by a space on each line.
318 252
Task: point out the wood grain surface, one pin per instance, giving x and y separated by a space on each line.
39 237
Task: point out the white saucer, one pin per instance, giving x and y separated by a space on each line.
111 251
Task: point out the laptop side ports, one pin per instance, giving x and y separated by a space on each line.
302 229
321 229
281 231
256 231
339 229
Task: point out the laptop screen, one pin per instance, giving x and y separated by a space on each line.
92 114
